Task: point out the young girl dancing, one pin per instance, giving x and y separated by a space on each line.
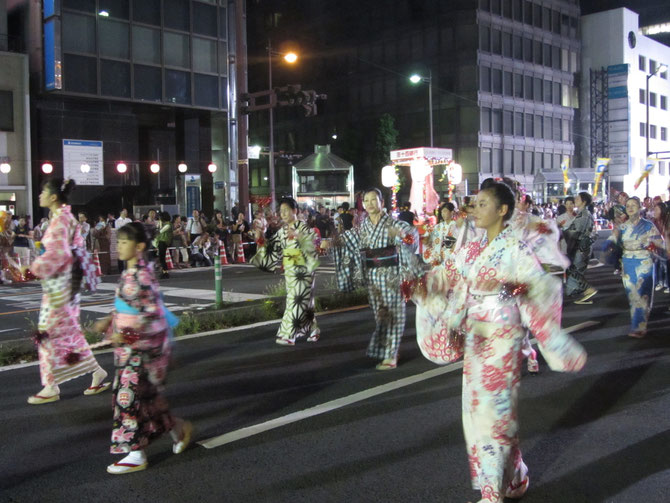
140 329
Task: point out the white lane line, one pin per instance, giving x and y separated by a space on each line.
249 431
338 403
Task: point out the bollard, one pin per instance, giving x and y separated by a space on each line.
217 282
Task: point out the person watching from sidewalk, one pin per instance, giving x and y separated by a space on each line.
195 226
22 238
163 240
123 219
102 235
579 239
85 228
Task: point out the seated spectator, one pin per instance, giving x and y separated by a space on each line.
200 251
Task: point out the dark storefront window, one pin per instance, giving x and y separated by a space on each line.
80 74
148 83
206 90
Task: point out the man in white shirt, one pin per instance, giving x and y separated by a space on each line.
122 220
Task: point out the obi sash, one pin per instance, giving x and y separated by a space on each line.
380 257
293 256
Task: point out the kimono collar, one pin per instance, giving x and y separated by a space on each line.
63 209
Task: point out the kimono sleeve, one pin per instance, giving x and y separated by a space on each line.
348 260
540 309
432 247
268 254
58 256
407 240
306 241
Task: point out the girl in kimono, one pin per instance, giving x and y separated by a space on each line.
496 290
292 249
62 349
579 238
380 254
640 240
140 329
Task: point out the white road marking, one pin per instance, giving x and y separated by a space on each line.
338 403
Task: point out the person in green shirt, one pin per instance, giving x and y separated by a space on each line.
163 239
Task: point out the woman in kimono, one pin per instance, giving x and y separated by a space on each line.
579 238
140 329
640 240
292 249
380 254
62 349
496 290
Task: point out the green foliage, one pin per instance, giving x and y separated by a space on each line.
386 139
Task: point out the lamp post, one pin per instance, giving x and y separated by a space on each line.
658 69
415 79
289 57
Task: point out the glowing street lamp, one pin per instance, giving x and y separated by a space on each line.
5 168
121 168
182 168
211 167
155 168
47 168
290 57
415 79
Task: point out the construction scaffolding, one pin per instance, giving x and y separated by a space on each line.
599 140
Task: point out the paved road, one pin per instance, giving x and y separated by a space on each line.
598 436
187 289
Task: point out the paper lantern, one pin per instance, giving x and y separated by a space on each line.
455 174
389 176
419 169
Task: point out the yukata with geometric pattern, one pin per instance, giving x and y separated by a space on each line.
496 291
383 283
292 249
141 412
639 242
62 349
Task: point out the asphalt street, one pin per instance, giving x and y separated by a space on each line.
186 289
332 429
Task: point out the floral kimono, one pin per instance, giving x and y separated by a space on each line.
370 257
141 413
495 292
639 242
579 238
292 248
542 236
62 349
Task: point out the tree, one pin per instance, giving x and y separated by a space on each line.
385 140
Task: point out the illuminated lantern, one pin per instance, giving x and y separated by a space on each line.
419 169
455 174
182 167
85 168
5 168
155 168
121 168
212 167
389 176
47 168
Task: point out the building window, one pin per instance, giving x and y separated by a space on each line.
485 160
529 125
176 14
527 50
204 55
537 89
538 126
148 85
517 47
664 74
528 12
528 163
643 95
652 131
485 77
507 8
82 5
496 121
556 130
546 59
146 45
178 87
643 131
204 19
115 8
496 160
664 133
496 81
518 124
537 52
508 167
557 93
147 11
496 43
485 38
80 74
485 5
508 123
518 10
652 66
537 16
176 49
556 22
113 39
547 91
78 33
206 90
664 102
6 111
507 84
642 63
507 44
486 120
495 7
565 134
518 162
115 78
652 99
528 87
518 85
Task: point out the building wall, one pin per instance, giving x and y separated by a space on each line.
613 38
14 143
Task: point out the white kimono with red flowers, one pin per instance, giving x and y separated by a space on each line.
63 351
495 292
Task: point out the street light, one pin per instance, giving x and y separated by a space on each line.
415 79
5 168
154 168
182 167
47 168
289 57
659 68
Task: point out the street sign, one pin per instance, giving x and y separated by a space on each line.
79 152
